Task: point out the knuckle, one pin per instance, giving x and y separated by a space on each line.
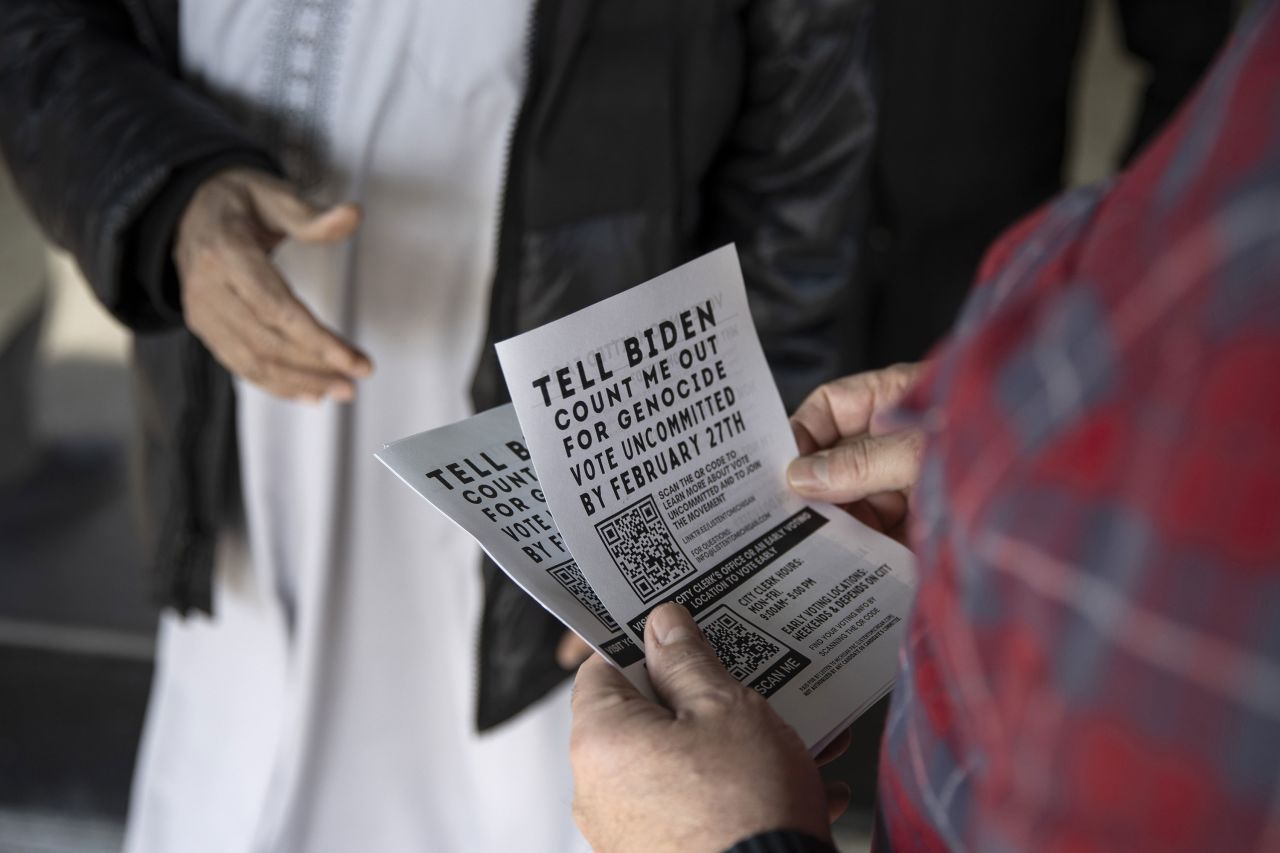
858 383
852 394
721 698
862 394
285 314
690 658
853 462
253 368
271 347
274 310
703 678
916 444
814 402
895 381
824 399
208 254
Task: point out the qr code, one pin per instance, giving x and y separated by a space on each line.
570 577
742 649
644 550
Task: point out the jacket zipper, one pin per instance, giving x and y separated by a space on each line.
510 215
502 302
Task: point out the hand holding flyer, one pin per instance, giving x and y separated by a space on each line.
659 444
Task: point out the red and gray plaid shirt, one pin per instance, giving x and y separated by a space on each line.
1094 658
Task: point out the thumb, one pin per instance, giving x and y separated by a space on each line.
683 668
283 210
852 470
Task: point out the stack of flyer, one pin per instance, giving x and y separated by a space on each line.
643 461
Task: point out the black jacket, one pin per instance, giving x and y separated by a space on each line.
973 135
650 132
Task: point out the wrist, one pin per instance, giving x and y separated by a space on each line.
150 244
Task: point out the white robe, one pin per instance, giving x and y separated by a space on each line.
328 706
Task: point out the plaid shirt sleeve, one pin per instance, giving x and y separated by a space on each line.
1094 657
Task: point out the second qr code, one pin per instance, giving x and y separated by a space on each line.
570 577
644 549
743 649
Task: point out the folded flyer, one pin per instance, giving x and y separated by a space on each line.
479 474
650 429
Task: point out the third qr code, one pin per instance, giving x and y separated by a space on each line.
644 549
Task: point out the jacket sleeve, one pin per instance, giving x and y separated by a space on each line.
96 127
791 187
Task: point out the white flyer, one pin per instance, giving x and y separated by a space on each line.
661 445
478 473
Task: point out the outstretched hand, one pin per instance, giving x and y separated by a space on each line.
712 765
849 458
235 300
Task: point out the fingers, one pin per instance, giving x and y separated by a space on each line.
890 510
604 701
237 303
597 679
835 749
282 209
863 512
683 668
260 355
256 281
838 796
572 651
846 407
853 470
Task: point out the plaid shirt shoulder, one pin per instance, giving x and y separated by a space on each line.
1094 658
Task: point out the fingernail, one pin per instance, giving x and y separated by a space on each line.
809 472
342 393
671 623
